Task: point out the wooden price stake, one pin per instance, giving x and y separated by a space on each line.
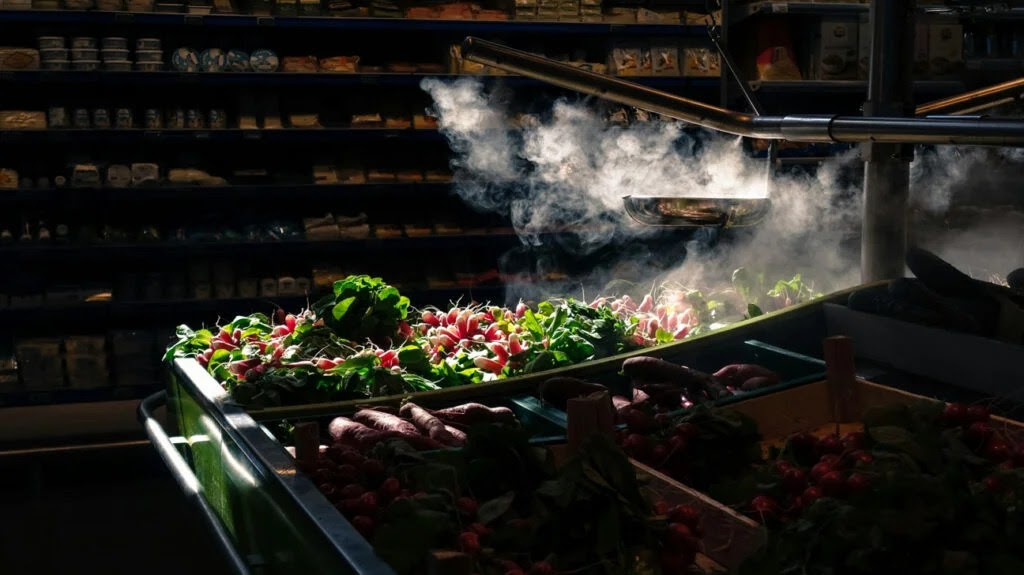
306 436
841 375
449 563
588 415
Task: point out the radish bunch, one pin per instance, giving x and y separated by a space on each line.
472 336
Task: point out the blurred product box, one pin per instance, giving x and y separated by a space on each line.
945 50
40 364
87 371
701 63
837 52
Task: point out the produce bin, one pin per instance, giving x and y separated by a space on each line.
732 537
267 516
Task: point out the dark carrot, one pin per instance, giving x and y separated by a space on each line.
385 422
458 435
426 422
348 432
474 413
559 390
737 374
655 369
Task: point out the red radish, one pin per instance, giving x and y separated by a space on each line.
954 414
290 321
364 525
514 346
803 441
831 459
687 430
858 483
542 568
218 345
467 506
833 484
469 543
499 351
325 364
811 494
795 480
782 465
830 444
430 319
686 514
659 454
638 421
373 469
493 332
997 450
662 508
368 503
676 562
764 506
346 473
488 365
480 529
637 446
820 470
854 440
993 484
279 331
977 412
451 317
390 488
351 491
521 310
646 304
979 431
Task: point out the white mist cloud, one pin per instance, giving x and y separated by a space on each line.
571 170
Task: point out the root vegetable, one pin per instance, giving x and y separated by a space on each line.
458 436
385 422
473 413
621 403
737 374
431 425
355 434
655 369
758 383
559 390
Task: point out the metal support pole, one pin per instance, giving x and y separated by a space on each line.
887 165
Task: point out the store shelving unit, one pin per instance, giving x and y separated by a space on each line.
468 259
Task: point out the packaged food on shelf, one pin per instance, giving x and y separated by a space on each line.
54 55
40 363
148 44
647 16
85 65
340 64
8 179
115 54
776 64
380 175
183 59
945 50
836 55
625 60
119 176
665 58
371 120
22 120
237 61
424 122
84 42
144 173
114 43
51 42
351 175
212 60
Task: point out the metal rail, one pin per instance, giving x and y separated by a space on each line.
188 481
797 128
976 100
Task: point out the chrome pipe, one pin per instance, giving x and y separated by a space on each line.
797 128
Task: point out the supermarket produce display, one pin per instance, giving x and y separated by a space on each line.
363 341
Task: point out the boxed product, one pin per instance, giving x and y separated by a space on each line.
40 363
665 58
22 120
863 48
625 60
945 49
87 371
921 50
19 59
701 63
837 50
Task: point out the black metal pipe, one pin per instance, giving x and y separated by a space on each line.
887 155
797 128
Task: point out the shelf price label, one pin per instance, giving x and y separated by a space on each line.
264 20
194 19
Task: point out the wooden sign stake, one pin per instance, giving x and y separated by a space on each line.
841 376
588 415
306 436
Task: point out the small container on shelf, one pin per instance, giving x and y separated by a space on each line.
57 117
147 56
176 119
56 65
268 287
139 5
115 54
117 66
51 42
81 119
100 118
248 287
114 43
53 54
85 65
151 44
124 119
84 54
152 119
83 42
